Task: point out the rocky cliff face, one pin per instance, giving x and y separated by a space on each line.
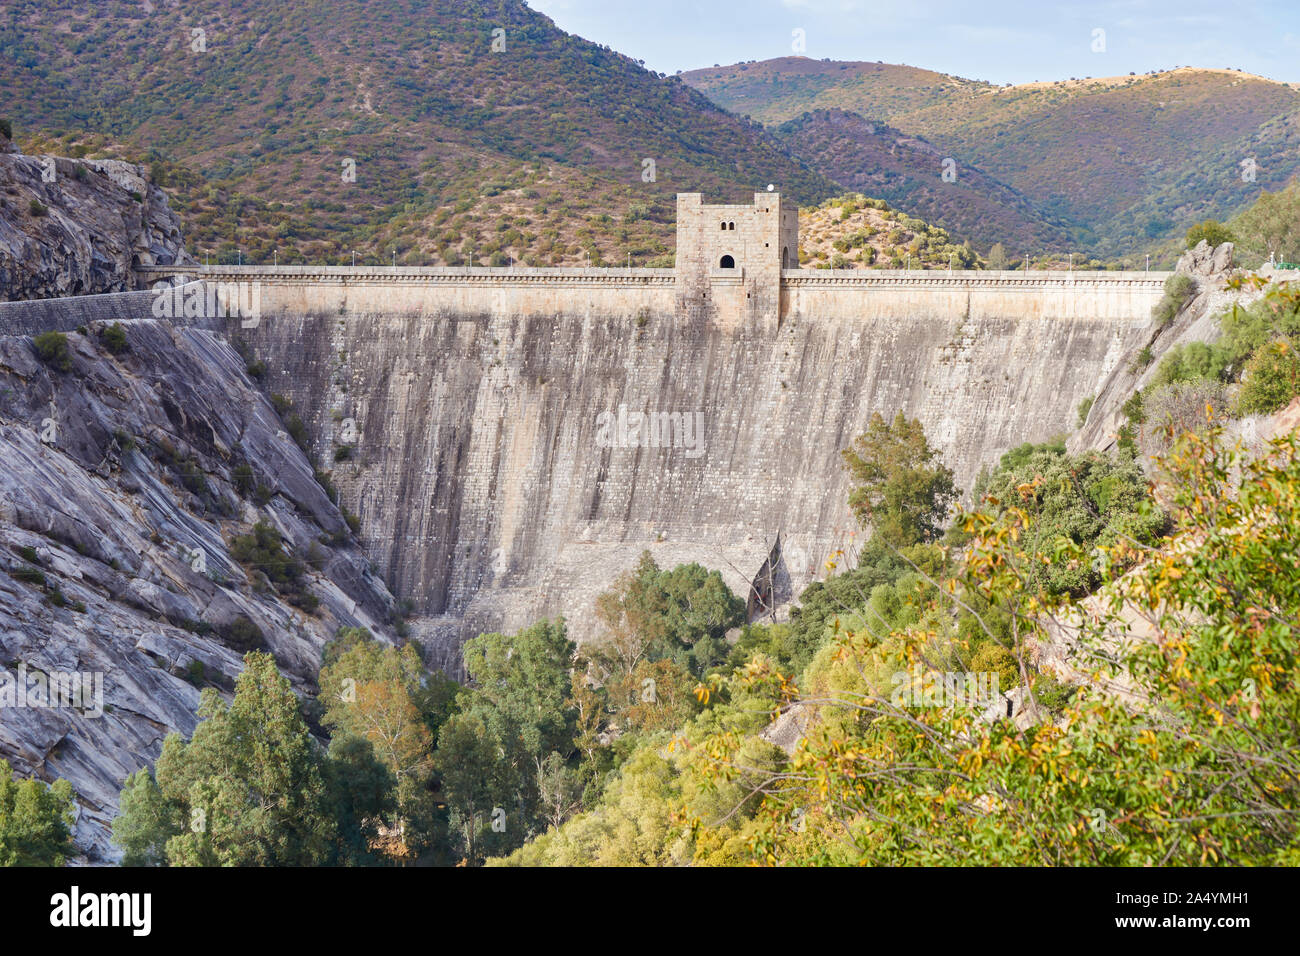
77 227
121 489
1196 321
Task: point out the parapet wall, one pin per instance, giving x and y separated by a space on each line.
309 289
903 294
900 294
34 316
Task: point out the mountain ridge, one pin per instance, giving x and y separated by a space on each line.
913 174
1128 162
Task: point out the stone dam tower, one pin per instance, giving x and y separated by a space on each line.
470 400
730 257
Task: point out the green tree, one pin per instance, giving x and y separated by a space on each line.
1085 500
114 339
699 611
378 693
1211 231
655 695
145 821
1179 288
901 490
1272 225
361 791
52 347
1245 330
374 691
560 788
634 615
521 688
651 614
478 784
36 821
247 787
1190 361
1270 379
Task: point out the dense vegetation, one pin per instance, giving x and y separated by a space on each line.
418 769
722 792
1269 228
1253 368
1091 501
1198 767
52 347
35 821
250 787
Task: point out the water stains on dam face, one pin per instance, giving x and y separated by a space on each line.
476 405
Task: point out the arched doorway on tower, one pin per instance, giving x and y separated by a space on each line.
727 262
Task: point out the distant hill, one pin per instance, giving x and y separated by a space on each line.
881 161
1127 162
469 145
773 91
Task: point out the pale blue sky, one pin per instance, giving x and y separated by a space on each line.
1002 42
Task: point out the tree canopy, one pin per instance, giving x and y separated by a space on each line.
36 821
901 489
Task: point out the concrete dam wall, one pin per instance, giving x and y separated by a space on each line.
490 416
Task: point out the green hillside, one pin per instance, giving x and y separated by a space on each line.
1127 162
535 150
880 161
773 91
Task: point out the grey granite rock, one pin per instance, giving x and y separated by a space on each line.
1196 321
78 227
103 507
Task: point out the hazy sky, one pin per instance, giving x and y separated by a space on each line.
1002 42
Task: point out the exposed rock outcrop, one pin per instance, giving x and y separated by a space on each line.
1196 321
77 227
121 488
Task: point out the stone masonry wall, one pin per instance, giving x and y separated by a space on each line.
485 490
